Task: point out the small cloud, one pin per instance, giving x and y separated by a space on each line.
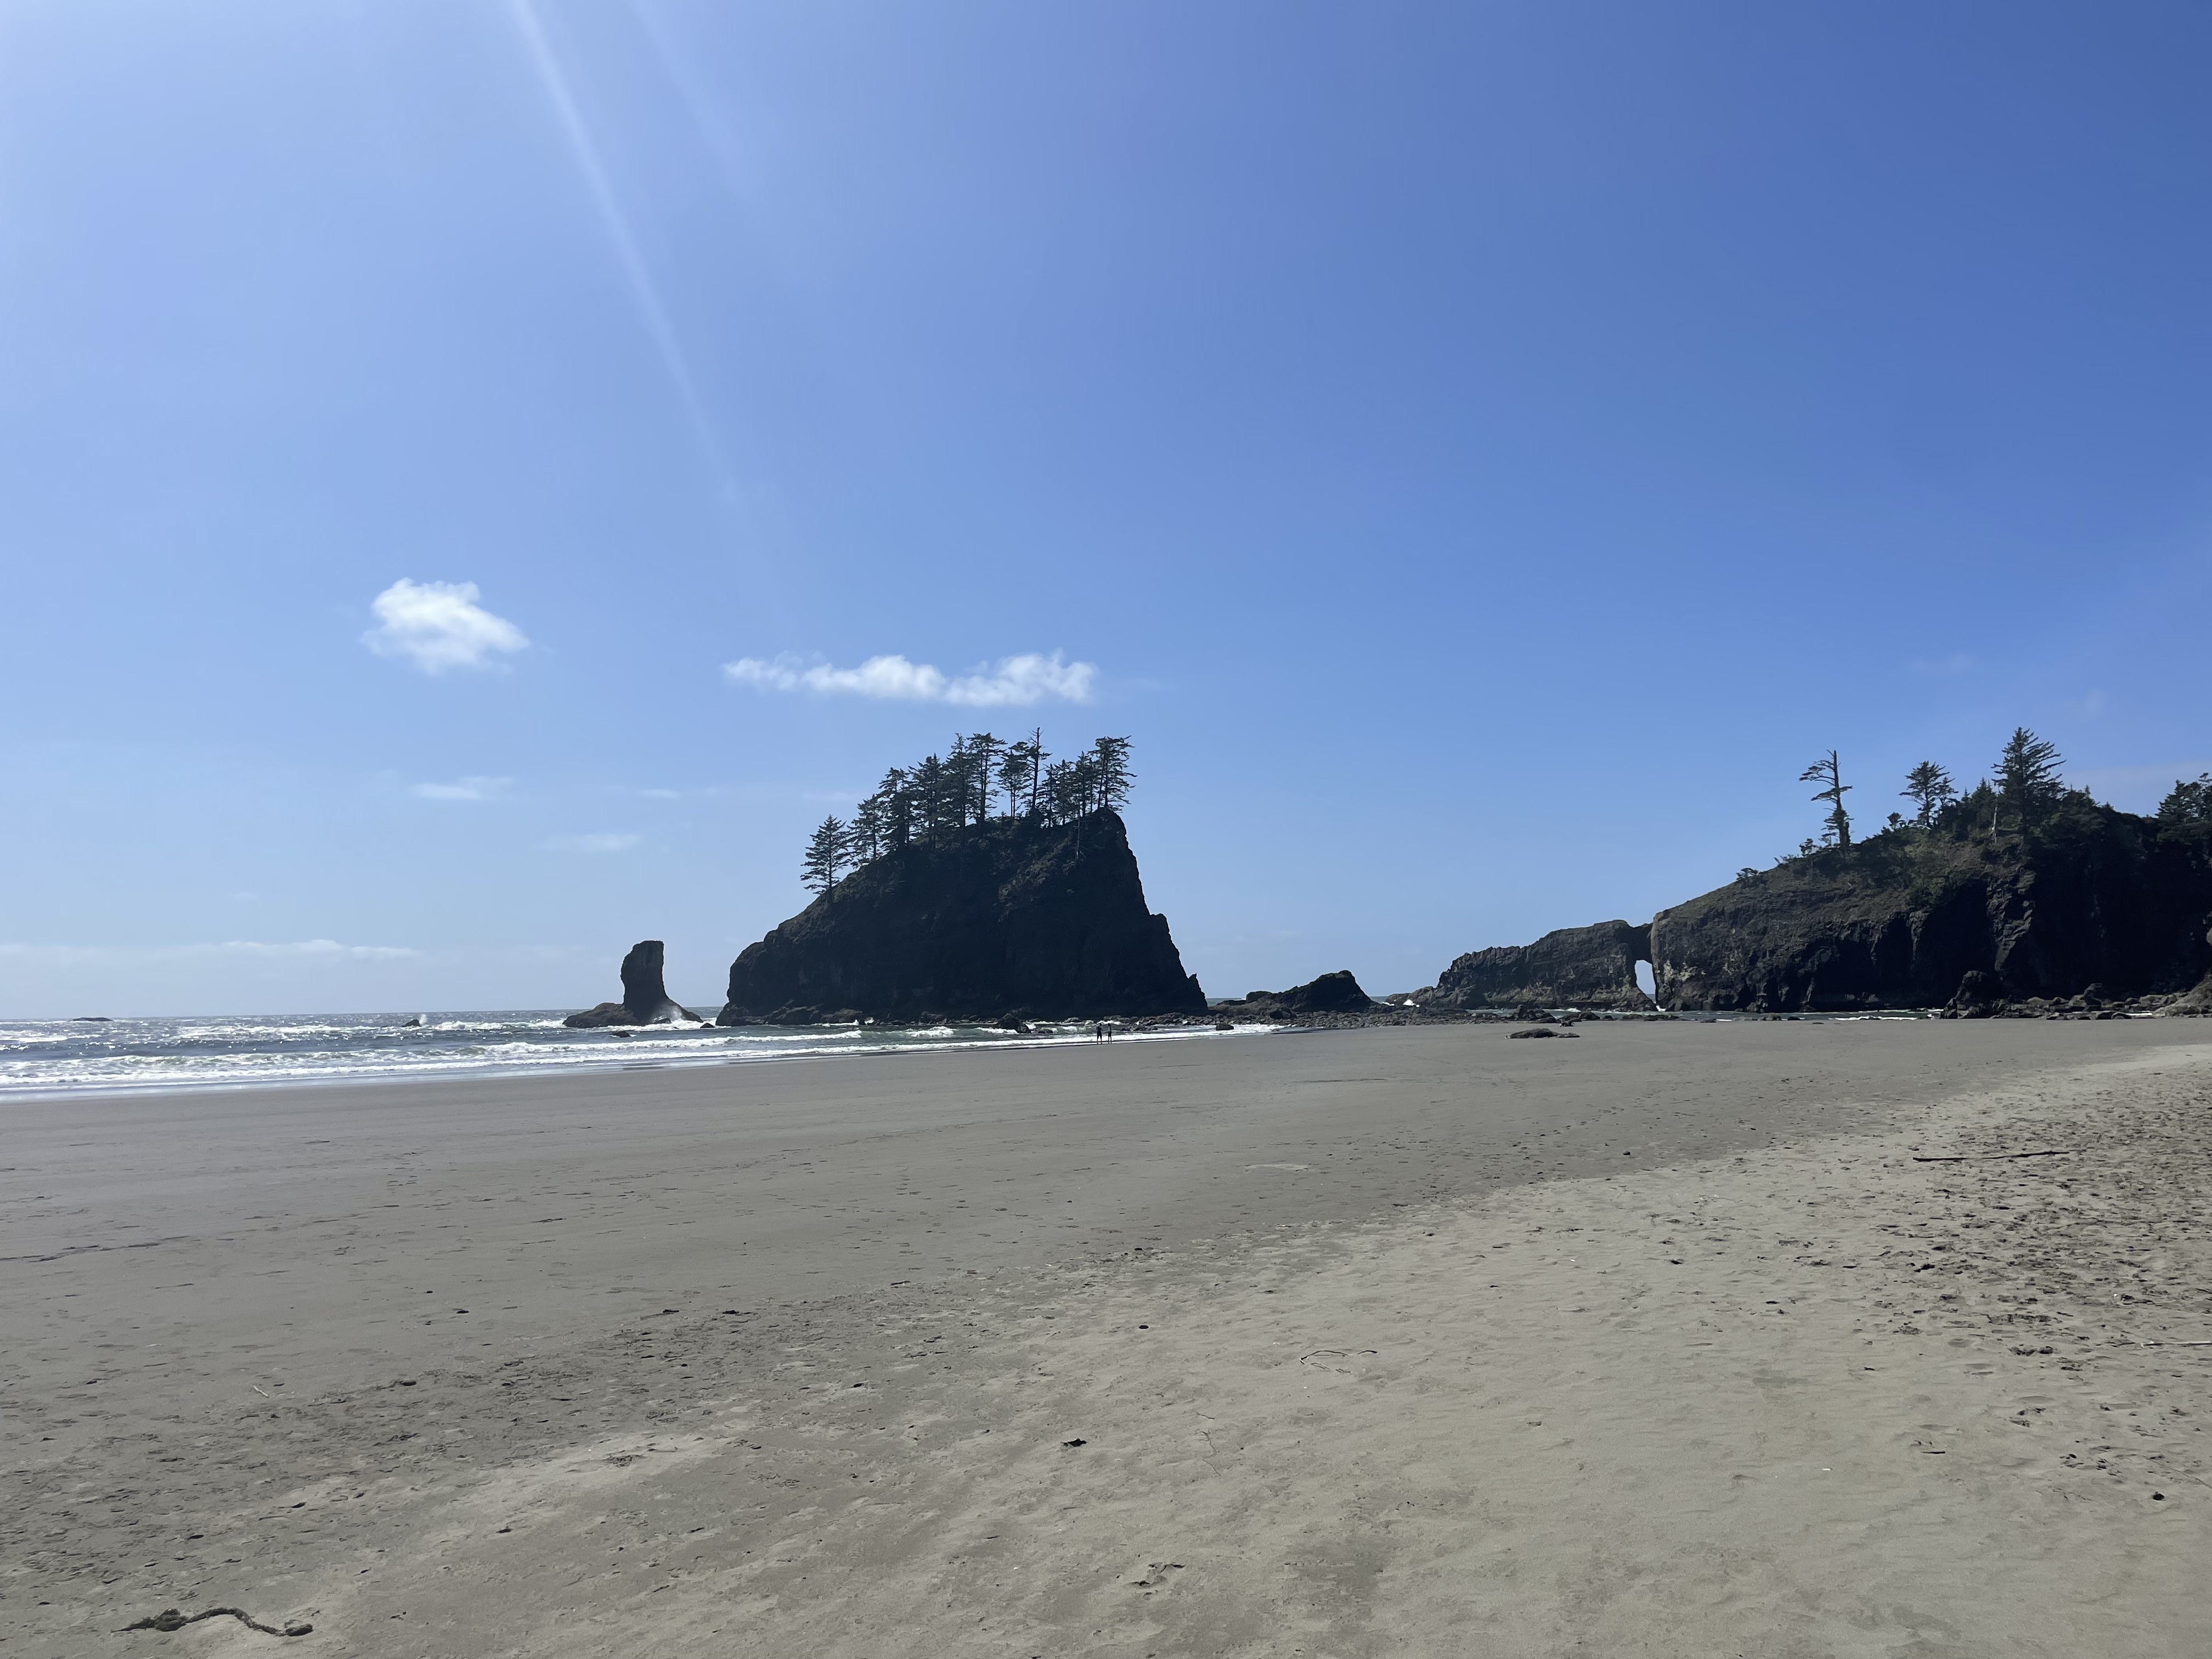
468 788
438 626
1012 682
605 843
661 794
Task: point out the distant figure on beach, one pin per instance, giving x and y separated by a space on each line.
1098 1030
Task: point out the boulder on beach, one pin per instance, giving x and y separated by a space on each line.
645 998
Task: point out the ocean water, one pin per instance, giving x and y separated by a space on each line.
62 1056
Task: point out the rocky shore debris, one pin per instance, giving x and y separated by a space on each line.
645 998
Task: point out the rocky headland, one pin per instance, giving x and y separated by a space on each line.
2084 911
645 1000
2087 909
1012 918
1592 967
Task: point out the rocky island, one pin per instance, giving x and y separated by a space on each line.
1015 917
645 1000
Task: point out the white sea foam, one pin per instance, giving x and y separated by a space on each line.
44 1057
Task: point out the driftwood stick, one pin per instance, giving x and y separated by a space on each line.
172 1618
1971 1158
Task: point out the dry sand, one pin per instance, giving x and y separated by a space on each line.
1657 1341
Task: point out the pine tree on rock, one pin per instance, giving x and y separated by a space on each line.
2027 773
1829 772
825 855
1018 774
1929 788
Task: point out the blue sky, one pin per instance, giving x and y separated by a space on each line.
1479 452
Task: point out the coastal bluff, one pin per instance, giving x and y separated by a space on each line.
1013 916
2089 902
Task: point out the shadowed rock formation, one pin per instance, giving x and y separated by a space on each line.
1331 993
645 999
2089 901
1592 967
1015 917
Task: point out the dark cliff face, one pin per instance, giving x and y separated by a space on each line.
1013 916
2090 897
1592 967
645 996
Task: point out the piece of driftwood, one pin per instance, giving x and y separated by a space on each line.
1973 1158
172 1619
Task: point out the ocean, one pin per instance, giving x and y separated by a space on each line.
66 1056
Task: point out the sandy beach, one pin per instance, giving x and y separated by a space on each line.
1681 1339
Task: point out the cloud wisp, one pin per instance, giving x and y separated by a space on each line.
602 842
468 788
1012 682
439 625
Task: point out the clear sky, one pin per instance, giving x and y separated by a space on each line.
1480 452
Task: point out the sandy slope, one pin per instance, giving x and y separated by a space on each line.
1788 1396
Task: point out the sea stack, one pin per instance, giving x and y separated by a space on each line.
1331 993
1012 917
645 998
1592 967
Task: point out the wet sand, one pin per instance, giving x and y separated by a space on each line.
1398 1340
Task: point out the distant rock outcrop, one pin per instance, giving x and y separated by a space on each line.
645 998
1011 918
2088 901
1331 993
1592 967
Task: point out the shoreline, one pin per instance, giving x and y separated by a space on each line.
1041 1220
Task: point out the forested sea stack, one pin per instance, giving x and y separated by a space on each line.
1009 916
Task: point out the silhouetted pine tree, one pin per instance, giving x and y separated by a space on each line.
825 855
2028 773
1929 788
1829 771
1018 770
1110 759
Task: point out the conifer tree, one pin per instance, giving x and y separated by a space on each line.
1929 788
1829 771
2188 803
825 855
865 837
1110 758
1062 792
2028 773
985 757
1017 775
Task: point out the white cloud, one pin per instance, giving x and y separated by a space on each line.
1012 681
620 842
468 788
439 625
326 949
